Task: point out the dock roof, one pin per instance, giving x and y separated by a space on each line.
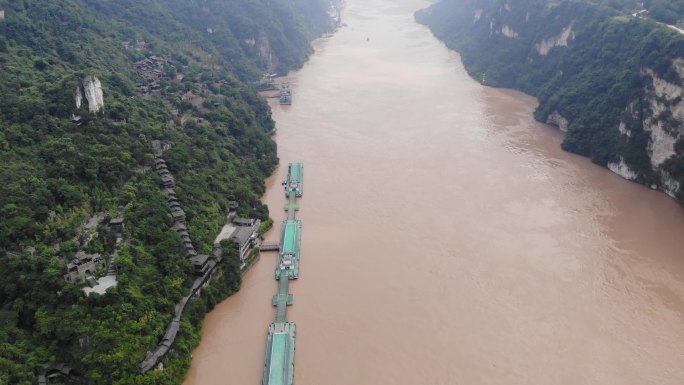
290 236
278 367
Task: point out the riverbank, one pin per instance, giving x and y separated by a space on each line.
605 99
438 210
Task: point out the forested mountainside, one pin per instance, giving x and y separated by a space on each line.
89 90
607 72
665 11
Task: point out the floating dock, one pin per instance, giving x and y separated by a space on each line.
280 345
288 259
295 180
280 354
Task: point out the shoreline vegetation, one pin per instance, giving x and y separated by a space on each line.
607 72
88 87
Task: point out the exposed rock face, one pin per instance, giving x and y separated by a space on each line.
663 119
670 186
264 51
641 138
477 15
666 118
93 93
2 14
623 130
508 32
90 91
262 46
557 41
621 168
661 145
78 97
558 120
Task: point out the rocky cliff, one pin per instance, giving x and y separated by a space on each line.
611 79
90 90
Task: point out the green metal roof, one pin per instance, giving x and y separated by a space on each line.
279 368
291 236
277 374
291 244
295 172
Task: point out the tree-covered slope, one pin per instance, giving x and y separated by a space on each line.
613 80
66 169
666 11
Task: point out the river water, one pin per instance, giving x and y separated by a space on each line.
446 237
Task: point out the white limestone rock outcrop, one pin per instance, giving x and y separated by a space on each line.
508 32
265 52
623 130
477 15
78 97
663 120
262 46
561 40
90 91
661 145
670 186
664 99
558 120
621 168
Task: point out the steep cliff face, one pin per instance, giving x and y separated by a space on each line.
621 168
664 120
613 81
262 47
556 119
544 46
90 90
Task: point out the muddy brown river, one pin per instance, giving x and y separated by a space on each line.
446 237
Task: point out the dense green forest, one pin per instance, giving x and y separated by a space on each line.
609 76
63 166
666 11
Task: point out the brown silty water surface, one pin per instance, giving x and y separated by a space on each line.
446 237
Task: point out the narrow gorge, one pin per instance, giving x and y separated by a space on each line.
610 77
